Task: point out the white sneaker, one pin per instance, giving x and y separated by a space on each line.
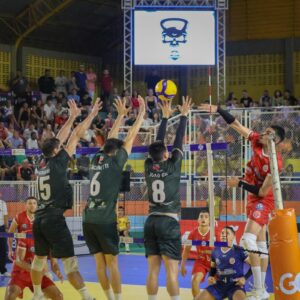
6 274
256 294
39 297
265 295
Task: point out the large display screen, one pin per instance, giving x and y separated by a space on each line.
174 37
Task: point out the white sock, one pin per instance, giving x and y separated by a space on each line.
109 294
152 297
127 247
175 297
37 289
263 278
84 293
256 271
118 296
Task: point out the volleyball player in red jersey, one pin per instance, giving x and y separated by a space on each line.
20 276
258 182
22 222
203 262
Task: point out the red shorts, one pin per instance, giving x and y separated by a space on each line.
199 267
258 212
23 280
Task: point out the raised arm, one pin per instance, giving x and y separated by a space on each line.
134 129
120 106
65 130
81 128
184 110
167 113
229 119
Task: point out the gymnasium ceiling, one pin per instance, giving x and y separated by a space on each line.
91 27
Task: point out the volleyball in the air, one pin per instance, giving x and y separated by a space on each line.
166 90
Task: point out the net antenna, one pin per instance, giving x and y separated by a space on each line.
274 172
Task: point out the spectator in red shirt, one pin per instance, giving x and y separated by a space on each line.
106 83
135 102
25 171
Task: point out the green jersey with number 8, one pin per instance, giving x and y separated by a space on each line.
163 183
106 178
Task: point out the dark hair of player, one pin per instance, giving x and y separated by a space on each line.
121 207
49 145
157 150
204 210
230 228
279 131
30 198
112 145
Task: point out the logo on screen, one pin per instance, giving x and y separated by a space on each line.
174 33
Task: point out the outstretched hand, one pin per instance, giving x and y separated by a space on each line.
96 107
120 106
186 105
233 181
209 108
74 110
166 109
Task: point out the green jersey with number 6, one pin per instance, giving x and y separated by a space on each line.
106 178
54 189
163 183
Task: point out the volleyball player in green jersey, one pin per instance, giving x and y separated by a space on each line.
50 231
99 216
162 230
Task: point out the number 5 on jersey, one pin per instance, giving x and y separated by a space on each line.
44 187
158 189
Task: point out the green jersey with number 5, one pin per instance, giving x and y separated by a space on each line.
54 189
106 178
163 183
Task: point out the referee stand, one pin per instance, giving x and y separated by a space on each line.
284 246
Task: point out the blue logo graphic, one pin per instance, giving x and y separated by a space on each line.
174 33
260 206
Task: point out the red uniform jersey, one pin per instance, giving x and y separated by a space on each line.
257 170
24 222
203 253
28 245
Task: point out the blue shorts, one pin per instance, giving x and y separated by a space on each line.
221 290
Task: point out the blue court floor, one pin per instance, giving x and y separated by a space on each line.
133 271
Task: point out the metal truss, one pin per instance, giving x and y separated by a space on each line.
219 5
33 16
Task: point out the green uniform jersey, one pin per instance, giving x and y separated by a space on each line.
54 189
106 178
163 183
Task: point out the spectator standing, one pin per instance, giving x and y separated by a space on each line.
265 100
19 84
246 101
61 82
3 228
81 80
91 82
135 102
106 84
277 98
289 99
72 83
46 85
151 102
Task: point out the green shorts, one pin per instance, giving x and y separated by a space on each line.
102 238
162 236
52 235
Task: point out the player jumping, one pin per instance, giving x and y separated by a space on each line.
162 230
258 182
51 233
99 216
202 262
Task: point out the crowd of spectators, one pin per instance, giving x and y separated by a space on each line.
28 117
